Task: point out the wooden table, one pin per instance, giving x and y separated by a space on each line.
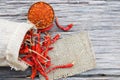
101 18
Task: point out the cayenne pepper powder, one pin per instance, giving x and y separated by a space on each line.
41 14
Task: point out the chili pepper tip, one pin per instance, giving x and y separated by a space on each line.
59 34
73 62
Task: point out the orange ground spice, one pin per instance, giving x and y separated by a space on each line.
41 14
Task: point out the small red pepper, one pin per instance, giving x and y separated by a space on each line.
38 49
62 27
61 66
27 60
43 73
50 48
34 72
27 36
46 44
24 50
55 38
47 41
46 29
48 62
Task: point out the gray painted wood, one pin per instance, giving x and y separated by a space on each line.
101 18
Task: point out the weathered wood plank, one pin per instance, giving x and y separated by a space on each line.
16 79
6 72
92 78
73 78
100 17
87 15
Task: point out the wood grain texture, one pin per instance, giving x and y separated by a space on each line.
101 18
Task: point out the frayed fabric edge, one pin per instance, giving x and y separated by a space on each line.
12 52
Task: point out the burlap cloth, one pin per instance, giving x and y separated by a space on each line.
76 48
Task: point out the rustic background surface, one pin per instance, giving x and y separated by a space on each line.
101 18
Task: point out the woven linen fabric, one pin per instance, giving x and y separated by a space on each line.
75 48
11 37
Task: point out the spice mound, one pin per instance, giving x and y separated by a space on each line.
41 15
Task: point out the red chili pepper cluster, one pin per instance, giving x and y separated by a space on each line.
34 51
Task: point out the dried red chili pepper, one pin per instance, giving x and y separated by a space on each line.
27 36
46 29
47 43
34 73
38 45
43 73
62 27
50 48
49 62
61 66
27 60
55 38
24 50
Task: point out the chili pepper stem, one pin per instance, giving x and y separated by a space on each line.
38 54
40 65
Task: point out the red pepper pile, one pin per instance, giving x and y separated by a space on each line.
34 51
